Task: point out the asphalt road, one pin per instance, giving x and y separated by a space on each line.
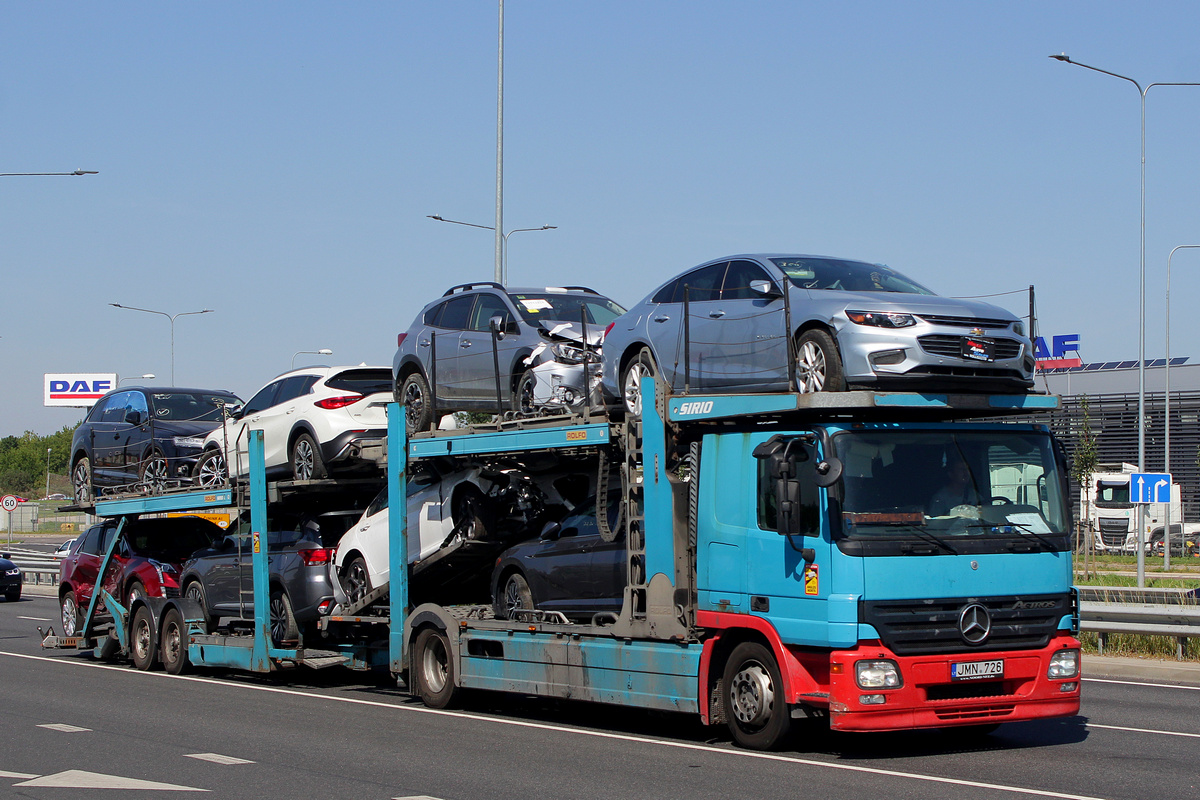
333 734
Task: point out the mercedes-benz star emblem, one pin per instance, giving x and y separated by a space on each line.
974 623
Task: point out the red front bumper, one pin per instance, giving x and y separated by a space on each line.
929 698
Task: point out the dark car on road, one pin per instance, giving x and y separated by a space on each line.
10 578
450 345
145 562
841 323
569 568
220 579
143 438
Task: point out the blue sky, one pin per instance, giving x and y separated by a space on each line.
276 162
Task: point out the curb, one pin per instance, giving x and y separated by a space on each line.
1146 670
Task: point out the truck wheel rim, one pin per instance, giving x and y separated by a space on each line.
433 665
141 640
171 643
752 695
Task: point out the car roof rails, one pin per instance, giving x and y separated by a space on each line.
468 286
580 289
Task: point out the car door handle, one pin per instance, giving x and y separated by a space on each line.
465 343
423 343
716 314
661 319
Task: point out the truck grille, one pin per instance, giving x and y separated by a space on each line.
1113 531
925 627
951 346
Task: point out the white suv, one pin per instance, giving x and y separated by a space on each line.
313 420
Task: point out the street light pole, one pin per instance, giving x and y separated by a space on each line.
500 240
1167 411
1141 555
170 317
502 273
47 174
324 351
48 449
147 376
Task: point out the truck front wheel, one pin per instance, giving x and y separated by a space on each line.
755 707
433 668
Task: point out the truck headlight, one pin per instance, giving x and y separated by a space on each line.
881 319
877 675
1063 664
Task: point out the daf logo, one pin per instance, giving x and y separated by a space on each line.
974 624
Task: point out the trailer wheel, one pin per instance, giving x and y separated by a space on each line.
434 678
755 709
142 646
174 642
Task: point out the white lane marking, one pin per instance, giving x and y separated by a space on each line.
80 779
416 797
38 619
1143 730
64 728
217 758
21 775
1139 683
124 670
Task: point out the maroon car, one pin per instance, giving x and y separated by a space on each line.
146 562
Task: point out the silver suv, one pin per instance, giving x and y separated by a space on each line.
543 343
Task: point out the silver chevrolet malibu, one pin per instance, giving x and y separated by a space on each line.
739 323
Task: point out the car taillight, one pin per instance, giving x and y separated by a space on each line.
314 557
609 328
400 338
330 403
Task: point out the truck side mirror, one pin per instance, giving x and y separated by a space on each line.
827 472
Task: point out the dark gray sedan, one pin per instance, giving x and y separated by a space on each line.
220 579
841 322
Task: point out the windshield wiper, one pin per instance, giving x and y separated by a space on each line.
1026 530
906 547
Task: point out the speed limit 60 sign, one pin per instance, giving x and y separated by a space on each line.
9 503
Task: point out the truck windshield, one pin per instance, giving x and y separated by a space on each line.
943 488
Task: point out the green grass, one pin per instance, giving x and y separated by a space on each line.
1134 646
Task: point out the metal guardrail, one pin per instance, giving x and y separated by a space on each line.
1180 621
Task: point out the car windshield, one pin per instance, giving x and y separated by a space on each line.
191 406
950 484
846 276
363 381
598 310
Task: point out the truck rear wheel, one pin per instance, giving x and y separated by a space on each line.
433 668
755 707
174 648
142 647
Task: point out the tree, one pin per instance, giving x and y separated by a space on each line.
1083 467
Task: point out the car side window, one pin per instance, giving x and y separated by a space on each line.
98 410
738 278
486 307
91 541
381 502
137 404
264 399
114 411
703 284
457 313
431 316
294 387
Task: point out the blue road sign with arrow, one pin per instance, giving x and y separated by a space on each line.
1150 487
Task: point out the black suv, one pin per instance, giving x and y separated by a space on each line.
143 438
450 345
